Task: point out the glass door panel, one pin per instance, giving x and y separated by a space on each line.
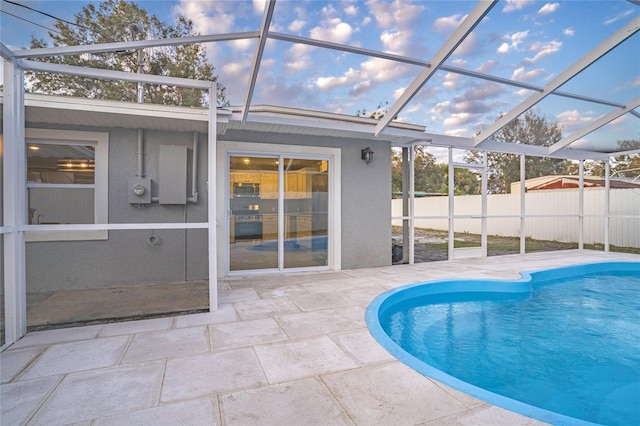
253 213
306 212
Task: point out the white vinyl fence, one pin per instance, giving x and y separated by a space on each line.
551 215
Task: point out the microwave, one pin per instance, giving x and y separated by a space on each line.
246 190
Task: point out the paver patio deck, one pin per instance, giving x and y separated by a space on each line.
281 350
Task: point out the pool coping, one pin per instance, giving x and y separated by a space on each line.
480 285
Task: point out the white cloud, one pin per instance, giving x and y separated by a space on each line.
298 50
569 32
518 38
207 17
303 63
516 5
447 24
513 42
394 15
451 81
351 10
381 70
548 8
459 62
469 45
543 49
483 91
488 66
395 41
618 17
350 77
523 92
572 120
258 6
297 25
461 133
242 44
334 30
459 119
504 48
520 74
366 20
360 88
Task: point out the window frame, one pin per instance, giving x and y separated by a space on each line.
100 140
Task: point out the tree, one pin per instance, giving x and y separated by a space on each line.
529 129
431 176
117 21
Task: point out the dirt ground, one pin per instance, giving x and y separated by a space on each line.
431 245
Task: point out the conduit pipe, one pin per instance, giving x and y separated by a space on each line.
140 148
194 171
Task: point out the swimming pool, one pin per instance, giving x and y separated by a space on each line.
559 345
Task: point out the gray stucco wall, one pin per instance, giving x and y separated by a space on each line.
127 257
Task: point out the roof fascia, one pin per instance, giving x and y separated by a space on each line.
257 57
112 75
603 48
115 107
595 125
458 36
322 115
129 45
365 130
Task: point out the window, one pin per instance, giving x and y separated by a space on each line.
67 181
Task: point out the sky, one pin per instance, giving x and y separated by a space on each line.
524 40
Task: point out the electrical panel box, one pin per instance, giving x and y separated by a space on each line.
172 179
139 191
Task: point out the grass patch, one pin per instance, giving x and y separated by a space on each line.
432 239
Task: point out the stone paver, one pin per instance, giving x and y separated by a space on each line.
13 362
196 412
102 393
390 394
21 399
208 374
77 356
308 357
281 349
301 402
176 343
245 333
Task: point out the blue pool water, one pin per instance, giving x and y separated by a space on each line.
560 345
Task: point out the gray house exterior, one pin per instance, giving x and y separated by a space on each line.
359 233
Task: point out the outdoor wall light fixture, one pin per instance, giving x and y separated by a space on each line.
367 155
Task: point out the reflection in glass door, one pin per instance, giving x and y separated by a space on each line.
278 213
253 212
306 212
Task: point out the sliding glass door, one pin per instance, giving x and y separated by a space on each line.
278 212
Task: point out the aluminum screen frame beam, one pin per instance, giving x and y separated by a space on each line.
130 45
599 51
595 125
452 43
257 57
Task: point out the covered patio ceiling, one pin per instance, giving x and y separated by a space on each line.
599 83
